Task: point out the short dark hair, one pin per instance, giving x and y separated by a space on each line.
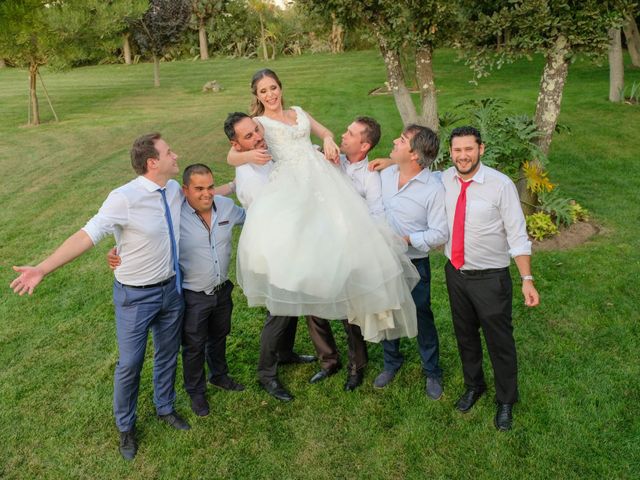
144 147
466 131
230 124
194 169
371 133
424 142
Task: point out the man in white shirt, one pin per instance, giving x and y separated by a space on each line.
413 199
143 216
487 228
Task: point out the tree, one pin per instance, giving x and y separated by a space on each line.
263 9
557 29
632 36
201 12
616 66
418 26
160 27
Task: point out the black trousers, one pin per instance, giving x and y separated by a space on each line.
482 300
207 322
326 349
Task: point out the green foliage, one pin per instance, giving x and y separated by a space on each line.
503 31
510 140
557 206
578 212
540 226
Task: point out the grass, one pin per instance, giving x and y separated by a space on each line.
578 352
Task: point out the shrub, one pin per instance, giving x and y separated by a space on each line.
540 225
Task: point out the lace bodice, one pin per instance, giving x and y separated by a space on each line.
288 143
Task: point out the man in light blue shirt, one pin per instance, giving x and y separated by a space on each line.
413 199
206 225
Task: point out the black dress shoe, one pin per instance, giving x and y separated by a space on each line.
199 405
276 390
225 382
324 373
354 380
295 358
469 399
504 418
128 444
174 420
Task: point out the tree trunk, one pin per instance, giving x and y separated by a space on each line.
156 71
616 66
633 39
2 63
204 47
427 84
336 39
263 39
552 83
395 77
34 110
126 48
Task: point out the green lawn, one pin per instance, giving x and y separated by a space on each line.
578 351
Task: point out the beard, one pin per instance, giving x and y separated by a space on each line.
472 167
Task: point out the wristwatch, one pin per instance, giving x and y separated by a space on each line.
526 277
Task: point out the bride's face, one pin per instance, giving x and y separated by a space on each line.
269 94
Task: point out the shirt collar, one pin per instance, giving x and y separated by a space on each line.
149 185
186 205
478 177
362 163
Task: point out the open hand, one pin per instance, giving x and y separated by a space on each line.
27 281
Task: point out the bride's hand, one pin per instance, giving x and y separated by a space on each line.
331 150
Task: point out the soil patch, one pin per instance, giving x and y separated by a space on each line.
567 238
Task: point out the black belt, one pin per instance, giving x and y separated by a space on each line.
153 285
483 272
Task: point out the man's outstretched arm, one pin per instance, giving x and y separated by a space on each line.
30 277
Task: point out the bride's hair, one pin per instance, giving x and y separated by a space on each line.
256 105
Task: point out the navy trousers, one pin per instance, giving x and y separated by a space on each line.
428 344
139 310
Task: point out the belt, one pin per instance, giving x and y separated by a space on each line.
483 272
153 285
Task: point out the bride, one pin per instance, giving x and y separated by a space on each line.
309 246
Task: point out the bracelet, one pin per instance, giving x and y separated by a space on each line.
526 277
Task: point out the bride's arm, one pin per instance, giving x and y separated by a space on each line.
331 150
258 156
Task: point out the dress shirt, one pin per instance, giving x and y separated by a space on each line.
366 182
415 210
494 226
134 214
204 253
250 180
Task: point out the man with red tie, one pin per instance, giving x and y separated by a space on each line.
487 228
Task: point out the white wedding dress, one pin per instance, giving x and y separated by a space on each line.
310 247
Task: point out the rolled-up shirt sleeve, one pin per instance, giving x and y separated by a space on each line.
438 232
112 216
514 222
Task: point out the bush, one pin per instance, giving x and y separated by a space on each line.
540 226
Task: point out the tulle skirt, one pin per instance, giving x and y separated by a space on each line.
310 247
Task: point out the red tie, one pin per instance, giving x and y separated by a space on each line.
457 238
